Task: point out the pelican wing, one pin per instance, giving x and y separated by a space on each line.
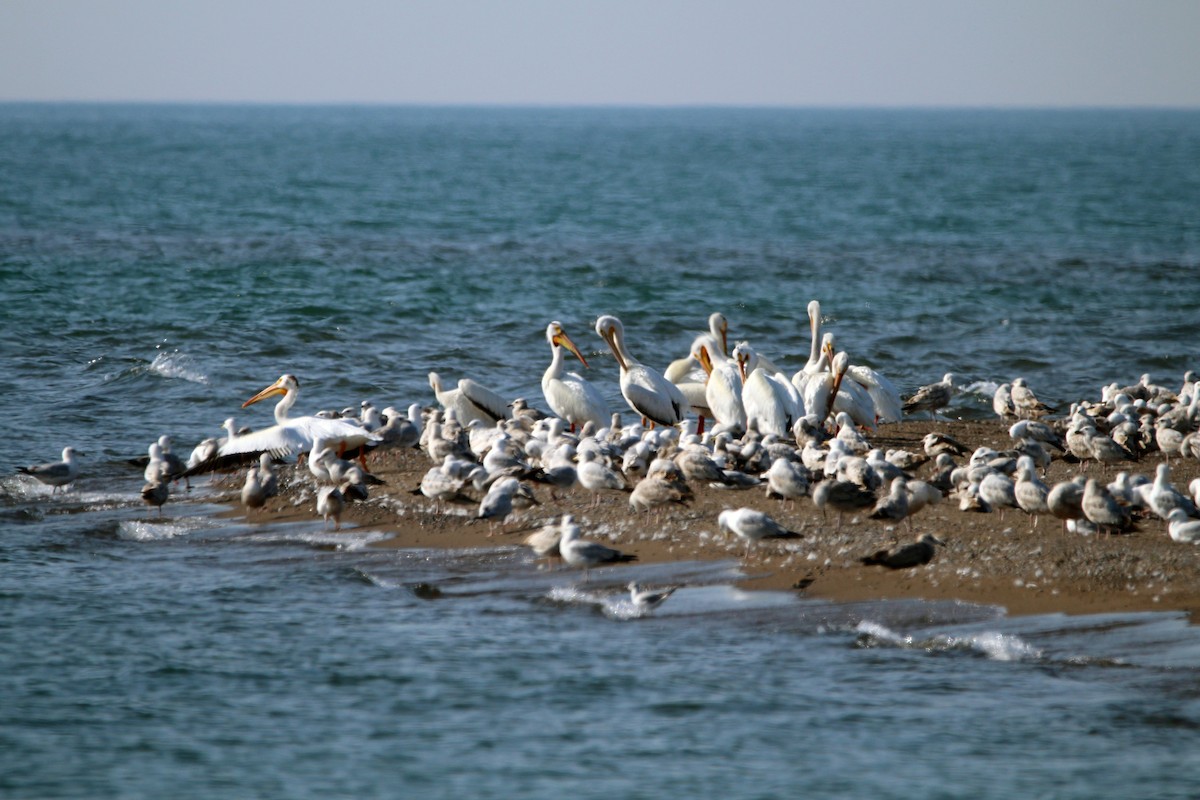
575 400
484 399
888 405
653 396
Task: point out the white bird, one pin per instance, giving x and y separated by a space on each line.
293 435
567 393
330 505
253 494
470 400
56 473
787 479
646 600
687 369
497 504
773 403
596 477
723 388
751 526
1030 491
583 553
647 392
156 468
1181 528
1163 497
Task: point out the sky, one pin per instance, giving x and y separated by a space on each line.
979 53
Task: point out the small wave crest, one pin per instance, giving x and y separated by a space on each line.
177 365
150 530
990 644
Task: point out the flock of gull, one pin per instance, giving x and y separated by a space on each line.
722 417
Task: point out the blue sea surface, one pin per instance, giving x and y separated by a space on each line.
160 264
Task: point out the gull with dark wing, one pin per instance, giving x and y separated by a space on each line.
56 473
932 397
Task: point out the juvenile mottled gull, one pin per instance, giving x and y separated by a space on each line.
913 554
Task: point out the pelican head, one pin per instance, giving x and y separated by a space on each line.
286 384
702 348
744 357
610 329
558 338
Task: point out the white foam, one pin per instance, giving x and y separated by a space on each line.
992 644
177 365
150 530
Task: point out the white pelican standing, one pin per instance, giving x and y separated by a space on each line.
768 398
687 369
648 393
723 389
470 401
293 435
570 396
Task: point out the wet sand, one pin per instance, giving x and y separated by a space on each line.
986 560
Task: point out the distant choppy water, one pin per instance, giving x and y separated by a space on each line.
158 265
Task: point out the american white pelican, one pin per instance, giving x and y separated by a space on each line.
770 400
470 401
913 554
687 369
648 393
291 435
723 389
567 393
814 365
56 473
849 395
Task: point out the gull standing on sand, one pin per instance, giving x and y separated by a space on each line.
932 397
597 478
56 473
330 505
1025 401
843 496
586 554
751 525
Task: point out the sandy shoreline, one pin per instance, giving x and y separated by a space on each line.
986 560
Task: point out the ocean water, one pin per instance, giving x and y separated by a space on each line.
160 264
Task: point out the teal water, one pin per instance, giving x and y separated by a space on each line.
160 264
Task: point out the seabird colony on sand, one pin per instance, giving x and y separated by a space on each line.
807 435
